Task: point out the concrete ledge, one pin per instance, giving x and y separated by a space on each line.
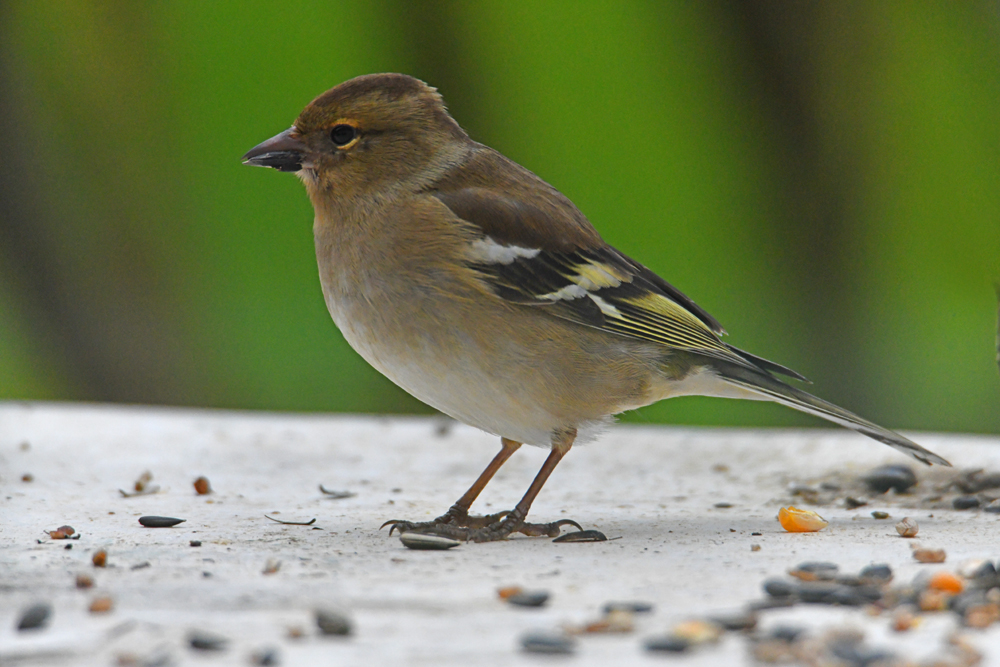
653 489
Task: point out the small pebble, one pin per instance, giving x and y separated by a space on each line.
896 476
880 515
723 506
965 502
631 607
100 558
668 644
35 617
195 543
929 555
332 623
203 641
202 487
424 542
159 521
854 503
547 642
529 598
582 536
84 581
907 527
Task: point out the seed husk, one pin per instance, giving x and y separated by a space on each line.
929 555
425 542
795 520
35 617
159 521
332 623
582 536
896 476
548 643
203 641
529 598
907 527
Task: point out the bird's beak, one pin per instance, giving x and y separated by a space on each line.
284 152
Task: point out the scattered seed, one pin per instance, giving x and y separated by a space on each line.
271 566
878 573
993 507
779 588
723 506
508 591
929 555
907 527
615 622
195 543
933 600
903 620
159 521
582 536
34 617
529 598
896 476
27 477
698 631
291 523
547 642
203 641
265 657
668 644
754 547
981 616
141 566
100 558
880 515
853 503
336 495
947 582
101 605
815 571
332 623
425 542
631 607
84 581
795 520
965 502
202 487
735 620
142 486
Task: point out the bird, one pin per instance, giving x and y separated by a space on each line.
486 293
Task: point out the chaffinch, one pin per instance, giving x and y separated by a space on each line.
483 291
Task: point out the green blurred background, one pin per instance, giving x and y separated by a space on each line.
824 178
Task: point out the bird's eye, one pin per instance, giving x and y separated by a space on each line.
343 134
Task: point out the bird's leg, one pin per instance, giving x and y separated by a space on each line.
513 522
458 514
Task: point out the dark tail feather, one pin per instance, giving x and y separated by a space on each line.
778 391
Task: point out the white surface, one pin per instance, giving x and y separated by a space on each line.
653 488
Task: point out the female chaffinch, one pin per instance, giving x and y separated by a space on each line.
483 291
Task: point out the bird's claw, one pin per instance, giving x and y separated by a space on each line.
480 528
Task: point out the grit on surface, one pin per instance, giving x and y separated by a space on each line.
652 490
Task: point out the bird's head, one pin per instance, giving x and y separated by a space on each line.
365 135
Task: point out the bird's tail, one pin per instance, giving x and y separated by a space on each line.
768 387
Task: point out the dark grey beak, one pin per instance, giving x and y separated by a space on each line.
283 152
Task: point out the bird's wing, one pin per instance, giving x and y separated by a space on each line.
589 282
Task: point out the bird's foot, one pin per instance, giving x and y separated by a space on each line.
457 524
